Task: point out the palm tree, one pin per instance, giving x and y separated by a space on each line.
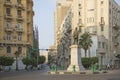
85 41
17 55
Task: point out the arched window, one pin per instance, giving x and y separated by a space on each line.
19 49
8 49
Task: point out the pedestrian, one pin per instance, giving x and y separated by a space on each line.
108 66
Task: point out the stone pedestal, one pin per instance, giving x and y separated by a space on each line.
75 59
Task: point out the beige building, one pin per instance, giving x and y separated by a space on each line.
16 26
98 17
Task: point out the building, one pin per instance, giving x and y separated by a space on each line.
98 17
16 26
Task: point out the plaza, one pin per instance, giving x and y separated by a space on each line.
43 75
86 42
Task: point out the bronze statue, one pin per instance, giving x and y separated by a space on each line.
75 36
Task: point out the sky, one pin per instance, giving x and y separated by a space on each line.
44 20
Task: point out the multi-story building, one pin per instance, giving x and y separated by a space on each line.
98 17
16 26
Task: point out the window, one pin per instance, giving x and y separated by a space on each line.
102 21
109 11
8 24
99 44
79 13
80 21
8 11
19 37
102 2
102 28
19 49
19 13
8 37
8 49
80 29
19 25
19 1
103 45
79 6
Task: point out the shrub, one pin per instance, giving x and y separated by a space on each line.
87 62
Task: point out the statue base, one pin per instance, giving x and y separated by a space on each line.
75 64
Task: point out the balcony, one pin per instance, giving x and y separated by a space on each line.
20 6
115 35
20 30
101 51
115 26
20 18
116 43
28 10
8 4
102 23
29 33
28 22
8 16
8 29
12 42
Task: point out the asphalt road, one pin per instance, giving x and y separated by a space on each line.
43 75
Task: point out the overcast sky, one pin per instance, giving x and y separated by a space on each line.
44 19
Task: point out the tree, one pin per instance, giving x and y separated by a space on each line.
41 59
85 42
27 62
16 56
6 61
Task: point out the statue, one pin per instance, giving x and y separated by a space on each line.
75 36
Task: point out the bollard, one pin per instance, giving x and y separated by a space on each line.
94 68
74 68
99 67
62 67
55 68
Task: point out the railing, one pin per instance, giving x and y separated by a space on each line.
10 29
19 5
20 18
8 3
8 16
19 30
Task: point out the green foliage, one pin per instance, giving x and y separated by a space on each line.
34 62
27 61
85 41
17 53
41 59
87 62
6 61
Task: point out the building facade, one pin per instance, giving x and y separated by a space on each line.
98 17
16 26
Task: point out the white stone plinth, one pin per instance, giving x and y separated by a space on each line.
75 59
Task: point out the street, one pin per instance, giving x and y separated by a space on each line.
43 75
